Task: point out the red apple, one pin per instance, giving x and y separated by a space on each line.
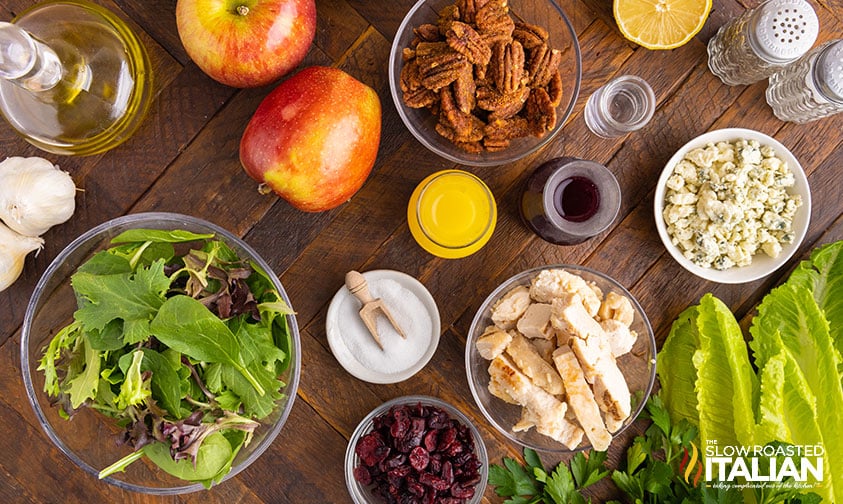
314 139
246 43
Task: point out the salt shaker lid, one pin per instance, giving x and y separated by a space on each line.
784 30
829 70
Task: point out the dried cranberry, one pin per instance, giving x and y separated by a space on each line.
414 487
433 481
400 427
462 492
431 440
397 476
371 449
394 461
447 472
419 458
447 437
418 454
462 458
438 419
362 475
421 410
436 462
454 449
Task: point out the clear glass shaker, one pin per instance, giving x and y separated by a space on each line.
762 40
811 88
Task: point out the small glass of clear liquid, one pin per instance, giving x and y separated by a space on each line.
622 105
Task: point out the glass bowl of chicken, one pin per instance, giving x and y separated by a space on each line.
561 358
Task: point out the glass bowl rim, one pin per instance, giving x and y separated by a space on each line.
510 282
365 426
26 369
561 119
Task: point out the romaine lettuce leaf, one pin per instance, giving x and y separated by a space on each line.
790 321
823 276
789 409
676 370
725 379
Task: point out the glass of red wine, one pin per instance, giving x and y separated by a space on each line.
568 200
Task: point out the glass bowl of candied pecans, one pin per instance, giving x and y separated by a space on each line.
561 358
416 446
485 83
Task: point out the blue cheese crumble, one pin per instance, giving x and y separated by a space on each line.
727 201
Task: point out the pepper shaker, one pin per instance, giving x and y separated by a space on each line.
811 88
762 40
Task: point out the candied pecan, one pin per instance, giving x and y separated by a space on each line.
501 105
430 49
407 54
463 39
439 65
447 15
410 76
494 23
468 9
495 145
507 129
543 62
428 32
471 147
464 89
529 35
554 88
475 134
541 114
419 98
453 117
508 66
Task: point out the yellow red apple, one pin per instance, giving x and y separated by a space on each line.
314 139
246 43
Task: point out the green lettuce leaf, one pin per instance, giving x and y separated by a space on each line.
725 379
186 325
823 276
676 370
133 298
84 385
790 321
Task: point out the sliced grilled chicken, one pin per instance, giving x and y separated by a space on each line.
581 399
492 342
529 362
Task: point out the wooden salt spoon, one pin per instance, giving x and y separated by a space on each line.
356 284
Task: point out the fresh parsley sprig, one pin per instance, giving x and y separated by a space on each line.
533 484
659 467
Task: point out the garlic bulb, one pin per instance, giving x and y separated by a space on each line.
34 195
13 250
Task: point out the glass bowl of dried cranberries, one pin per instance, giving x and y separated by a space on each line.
416 446
487 85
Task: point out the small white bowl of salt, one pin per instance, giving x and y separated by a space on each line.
396 358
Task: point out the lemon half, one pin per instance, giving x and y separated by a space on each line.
660 24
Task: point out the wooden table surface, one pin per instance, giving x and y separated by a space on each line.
184 159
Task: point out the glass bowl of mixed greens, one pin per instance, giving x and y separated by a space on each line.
160 353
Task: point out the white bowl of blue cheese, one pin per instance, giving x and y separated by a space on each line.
732 205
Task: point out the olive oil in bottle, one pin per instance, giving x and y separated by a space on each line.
74 78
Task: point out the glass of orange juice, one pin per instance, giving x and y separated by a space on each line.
452 214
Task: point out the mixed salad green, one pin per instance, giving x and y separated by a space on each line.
178 339
789 391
